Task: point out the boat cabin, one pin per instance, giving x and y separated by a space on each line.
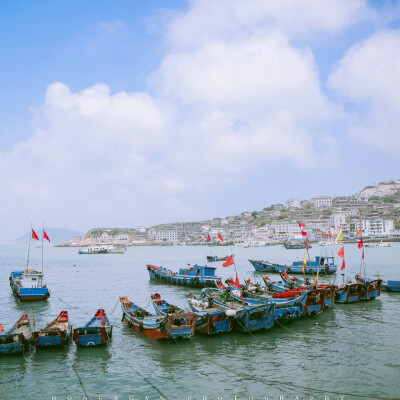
198 270
319 261
29 278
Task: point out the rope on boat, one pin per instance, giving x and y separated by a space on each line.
115 307
152 385
77 308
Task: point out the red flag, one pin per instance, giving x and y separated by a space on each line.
1 328
323 236
341 252
45 236
228 262
284 274
208 238
361 244
301 225
343 265
330 234
34 236
362 255
304 233
220 237
237 283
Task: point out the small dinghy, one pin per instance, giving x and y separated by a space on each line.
18 339
56 333
96 332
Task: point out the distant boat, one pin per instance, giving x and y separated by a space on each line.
326 243
196 276
322 264
102 248
216 258
56 333
18 339
96 332
296 245
381 244
156 326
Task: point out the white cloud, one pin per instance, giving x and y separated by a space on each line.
369 77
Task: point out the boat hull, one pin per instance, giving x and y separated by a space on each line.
92 337
28 294
52 339
264 266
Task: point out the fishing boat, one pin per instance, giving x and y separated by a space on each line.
391 286
56 333
371 287
213 318
322 264
169 326
295 245
216 258
380 244
18 339
196 276
205 323
248 318
102 248
96 332
27 284
349 292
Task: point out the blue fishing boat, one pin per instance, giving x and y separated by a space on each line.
349 292
56 333
196 276
96 332
18 339
391 286
28 285
371 287
248 318
322 264
169 326
204 321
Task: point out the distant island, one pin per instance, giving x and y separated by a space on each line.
56 235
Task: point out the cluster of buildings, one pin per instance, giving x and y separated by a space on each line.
279 222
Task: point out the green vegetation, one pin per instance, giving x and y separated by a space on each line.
397 224
96 232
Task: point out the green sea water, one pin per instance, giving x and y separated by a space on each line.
351 351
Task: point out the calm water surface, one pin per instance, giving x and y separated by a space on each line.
351 350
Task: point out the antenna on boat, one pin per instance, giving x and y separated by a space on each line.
29 247
342 277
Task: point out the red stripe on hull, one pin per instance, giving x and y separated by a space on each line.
151 333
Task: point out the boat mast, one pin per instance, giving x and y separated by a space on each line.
42 245
29 247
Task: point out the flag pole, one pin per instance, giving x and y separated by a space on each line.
29 247
42 246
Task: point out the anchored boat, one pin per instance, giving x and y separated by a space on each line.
56 333
168 326
371 287
96 332
28 285
196 276
18 339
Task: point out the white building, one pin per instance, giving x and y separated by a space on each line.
321 201
123 237
337 220
287 228
167 235
375 227
293 203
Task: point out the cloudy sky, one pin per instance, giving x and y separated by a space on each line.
131 113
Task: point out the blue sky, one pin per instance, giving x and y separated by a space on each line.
131 112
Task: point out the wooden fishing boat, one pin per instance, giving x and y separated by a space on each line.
169 326
18 339
28 285
248 318
96 332
196 276
371 287
56 333
216 258
205 322
349 292
322 264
